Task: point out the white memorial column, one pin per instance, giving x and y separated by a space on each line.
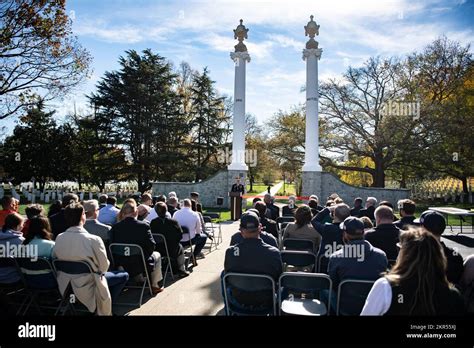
311 160
311 54
240 58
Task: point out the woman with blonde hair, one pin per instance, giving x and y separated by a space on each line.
417 283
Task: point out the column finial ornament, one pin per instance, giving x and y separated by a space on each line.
240 33
311 30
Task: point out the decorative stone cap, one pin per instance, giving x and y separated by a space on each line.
240 33
311 30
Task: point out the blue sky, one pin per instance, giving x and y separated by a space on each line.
200 32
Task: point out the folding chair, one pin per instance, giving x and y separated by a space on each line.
120 252
160 239
29 265
351 296
190 245
250 283
320 269
294 283
208 225
72 268
298 244
298 259
215 216
16 288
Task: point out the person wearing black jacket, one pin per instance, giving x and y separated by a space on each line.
172 205
131 231
57 221
331 233
385 235
369 210
407 213
436 224
273 212
173 233
357 206
268 225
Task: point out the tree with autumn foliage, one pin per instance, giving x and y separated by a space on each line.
40 58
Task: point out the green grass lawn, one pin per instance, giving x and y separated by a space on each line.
290 189
257 188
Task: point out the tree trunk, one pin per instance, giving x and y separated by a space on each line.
465 189
379 174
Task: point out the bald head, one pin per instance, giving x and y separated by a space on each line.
383 215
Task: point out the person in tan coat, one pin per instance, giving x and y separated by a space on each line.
76 244
302 228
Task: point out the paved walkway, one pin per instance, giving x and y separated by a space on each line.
198 294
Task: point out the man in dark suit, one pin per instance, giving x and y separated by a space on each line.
369 210
173 233
273 212
385 235
407 213
131 231
57 221
357 206
195 196
289 210
436 224
172 205
268 225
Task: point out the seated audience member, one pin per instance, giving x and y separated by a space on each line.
143 212
173 233
367 223
407 213
355 211
289 210
172 205
31 211
467 283
268 225
103 200
95 291
273 212
435 223
358 259
145 206
92 225
120 216
55 208
194 209
253 256
9 236
265 236
40 236
255 200
58 221
385 234
331 233
369 210
313 205
387 204
302 228
173 194
108 214
131 231
195 196
186 217
153 214
315 198
419 278
8 205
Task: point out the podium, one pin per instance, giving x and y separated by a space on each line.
235 205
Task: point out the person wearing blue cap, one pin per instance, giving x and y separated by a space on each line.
357 259
266 237
435 223
253 256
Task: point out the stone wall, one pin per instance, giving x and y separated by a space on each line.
209 190
324 184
